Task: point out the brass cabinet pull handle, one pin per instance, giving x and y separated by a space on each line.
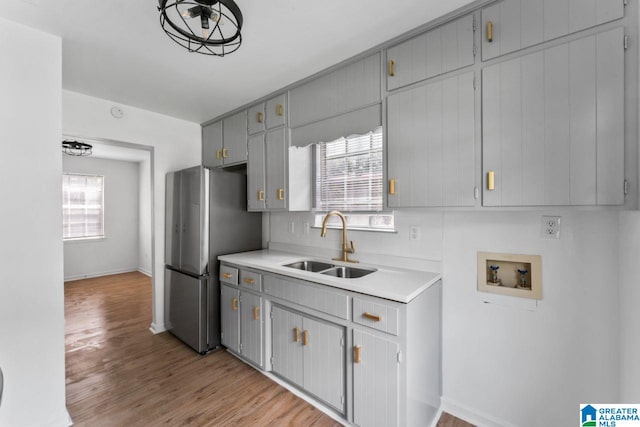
296 334
356 354
259 117
218 154
392 67
280 194
279 109
373 317
256 313
225 154
260 195
226 275
489 31
491 180
249 280
305 337
392 187
234 304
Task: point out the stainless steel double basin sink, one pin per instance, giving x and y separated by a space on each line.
327 269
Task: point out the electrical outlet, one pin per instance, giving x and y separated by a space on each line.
414 232
550 227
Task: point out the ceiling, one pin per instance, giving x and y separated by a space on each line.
116 49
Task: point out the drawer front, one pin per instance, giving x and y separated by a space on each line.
229 275
250 280
323 300
376 315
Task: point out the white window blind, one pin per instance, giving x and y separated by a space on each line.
82 206
349 173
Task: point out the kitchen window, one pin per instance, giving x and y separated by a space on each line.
349 174
82 206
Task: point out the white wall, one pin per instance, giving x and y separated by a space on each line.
176 143
144 228
504 361
118 251
31 289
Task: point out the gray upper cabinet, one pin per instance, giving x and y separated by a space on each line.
438 51
212 145
553 125
340 91
256 119
234 132
511 25
276 175
256 177
276 111
267 115
431 144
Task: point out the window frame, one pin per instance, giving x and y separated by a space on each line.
102 234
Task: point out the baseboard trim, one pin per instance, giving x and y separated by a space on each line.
69 420
157 329
471 415
145 272
101 274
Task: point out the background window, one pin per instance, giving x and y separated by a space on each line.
349 173
82 206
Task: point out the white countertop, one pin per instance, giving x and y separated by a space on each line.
395 284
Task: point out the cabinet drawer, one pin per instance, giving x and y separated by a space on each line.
250 280
317 298
376 315
229 275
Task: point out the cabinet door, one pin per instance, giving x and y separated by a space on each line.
256 118
251 327
235 138
438 51
517 24
256 174
375 381
276 173
212 145
343 90
553 125
286 336
276 111
431 144
230 316
324 365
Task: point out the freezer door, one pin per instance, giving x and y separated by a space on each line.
186 308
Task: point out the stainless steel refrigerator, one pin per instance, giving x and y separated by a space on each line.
206 216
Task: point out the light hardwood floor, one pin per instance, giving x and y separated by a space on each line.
120 374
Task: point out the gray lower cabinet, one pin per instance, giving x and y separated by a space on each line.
511 25
376 377
438 51
553 125
230 317
431 144
242 323
310 353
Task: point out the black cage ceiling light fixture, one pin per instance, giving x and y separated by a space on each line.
209 27
76 148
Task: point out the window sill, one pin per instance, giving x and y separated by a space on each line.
78 240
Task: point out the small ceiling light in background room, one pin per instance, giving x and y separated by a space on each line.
76 148
209 27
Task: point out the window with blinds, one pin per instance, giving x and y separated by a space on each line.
349 174
82 206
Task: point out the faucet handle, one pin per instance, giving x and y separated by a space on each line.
351 249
